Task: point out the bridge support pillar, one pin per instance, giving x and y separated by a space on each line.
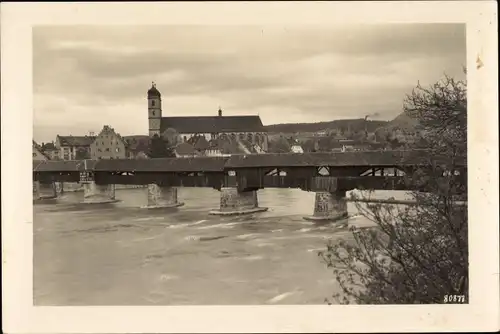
59 187
329 207
233 202
98 193
162 197
43 191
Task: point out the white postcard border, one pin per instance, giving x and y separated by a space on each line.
19 314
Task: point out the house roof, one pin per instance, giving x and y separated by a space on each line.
201 143
248 145
39 149
230 147
226 146
49 147
184 149
212 124
76 140
109 130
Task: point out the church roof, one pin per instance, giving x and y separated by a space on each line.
212 124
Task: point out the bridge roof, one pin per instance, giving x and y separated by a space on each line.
63 165
219 164
36 163
199 164
313 159
337 159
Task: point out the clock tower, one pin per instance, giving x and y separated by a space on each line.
154 110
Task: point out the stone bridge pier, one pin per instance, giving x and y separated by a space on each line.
43 191
233 202
94 193
329 207
162 197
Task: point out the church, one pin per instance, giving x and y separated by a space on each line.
248 129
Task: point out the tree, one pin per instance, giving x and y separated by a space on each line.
360 136
416 253
279 145
160 148
172 137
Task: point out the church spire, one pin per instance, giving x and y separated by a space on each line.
153 92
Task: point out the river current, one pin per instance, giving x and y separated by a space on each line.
120 254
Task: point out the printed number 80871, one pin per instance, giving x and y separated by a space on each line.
454 298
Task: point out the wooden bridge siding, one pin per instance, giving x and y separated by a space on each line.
49 177
344 171
373 182
212 180
255 178
308 179
332 184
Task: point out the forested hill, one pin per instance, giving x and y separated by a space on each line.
342 124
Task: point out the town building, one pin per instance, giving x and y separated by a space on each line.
185 150
38 153
74 147
198 146
50 150
108 145
137 146
295 146
248 129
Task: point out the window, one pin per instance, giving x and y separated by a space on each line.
99 150
96 143
153 104
117 149
34 154
107 149
153 112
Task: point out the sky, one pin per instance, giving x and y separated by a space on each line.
85 77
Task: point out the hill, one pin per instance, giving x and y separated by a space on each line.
402 122
342 124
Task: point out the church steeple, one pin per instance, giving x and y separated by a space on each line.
154 110
153 92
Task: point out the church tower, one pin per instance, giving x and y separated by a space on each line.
154 110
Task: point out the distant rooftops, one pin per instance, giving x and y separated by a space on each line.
76 140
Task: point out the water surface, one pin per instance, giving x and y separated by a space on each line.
120 254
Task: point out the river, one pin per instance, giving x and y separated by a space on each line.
120 254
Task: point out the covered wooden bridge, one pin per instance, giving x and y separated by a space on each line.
308 171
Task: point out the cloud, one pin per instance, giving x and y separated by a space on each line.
88 76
